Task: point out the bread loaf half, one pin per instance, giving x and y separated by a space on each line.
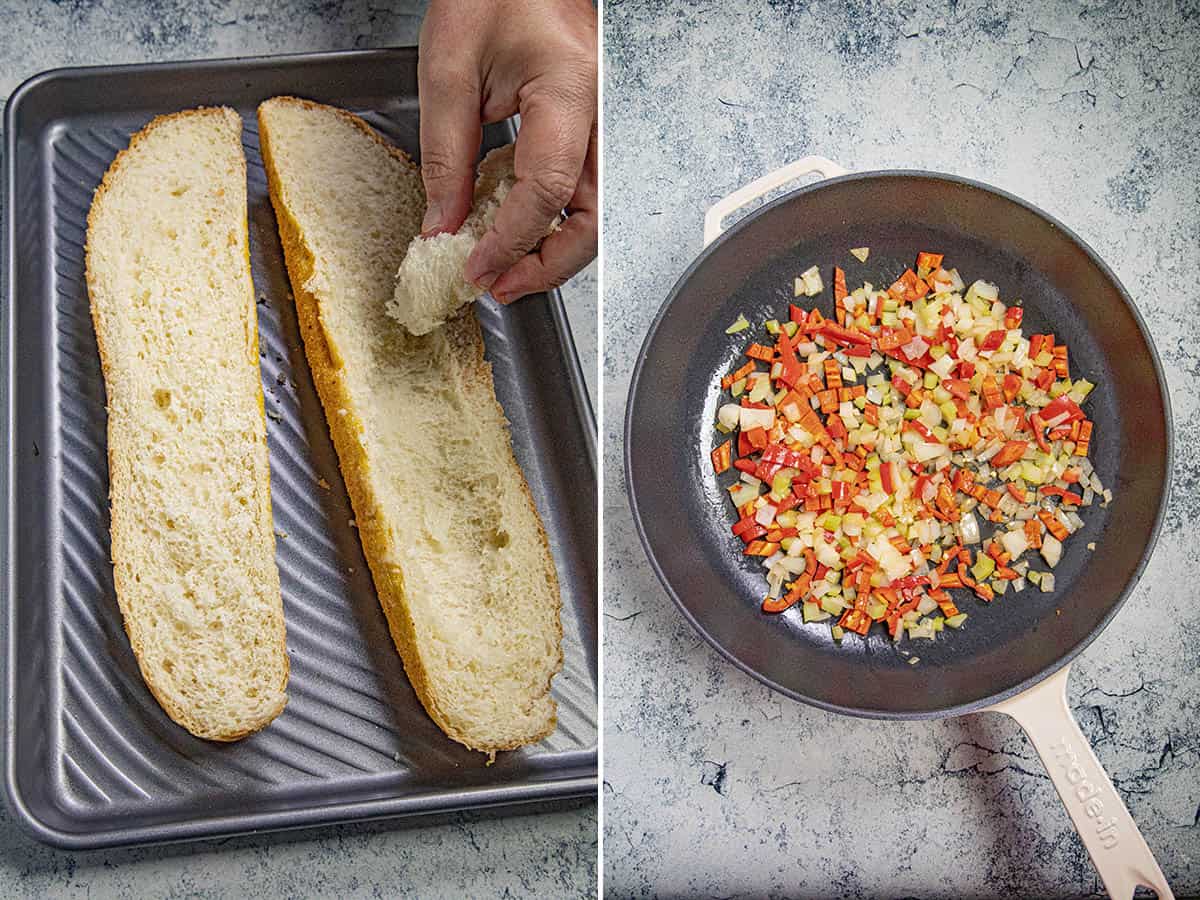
458 554
193 547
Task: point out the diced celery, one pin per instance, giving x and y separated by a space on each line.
1034 577
949 411
838 633
738 387
1032 472
741 323
814 613
832 605
956 621
791 328
831 522
860 253
984 567
1080 389
931 380
937 351
781 484
772 326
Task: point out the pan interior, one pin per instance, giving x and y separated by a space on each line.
683 510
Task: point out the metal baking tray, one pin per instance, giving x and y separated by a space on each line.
91 758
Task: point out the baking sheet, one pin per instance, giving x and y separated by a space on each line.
92 760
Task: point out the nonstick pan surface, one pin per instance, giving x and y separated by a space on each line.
681 509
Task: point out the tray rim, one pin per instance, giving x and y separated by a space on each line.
495 797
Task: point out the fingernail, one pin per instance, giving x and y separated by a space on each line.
487 279
433 219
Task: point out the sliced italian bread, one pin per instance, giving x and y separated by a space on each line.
458 554
193 547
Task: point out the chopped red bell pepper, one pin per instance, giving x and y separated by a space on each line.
908 287
993 339
839 284
1009 454
1060 405
760 352
892 338
722 457
889 477
745 465
728 380
843 335
929 261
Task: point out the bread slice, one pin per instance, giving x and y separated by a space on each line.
430 287
459 557
193 548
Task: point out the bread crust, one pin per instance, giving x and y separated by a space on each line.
352 459
177 713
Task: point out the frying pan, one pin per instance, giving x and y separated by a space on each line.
1011 656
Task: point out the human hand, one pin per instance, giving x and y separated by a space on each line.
480 62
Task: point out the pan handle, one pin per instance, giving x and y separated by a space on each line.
809 165
1111 837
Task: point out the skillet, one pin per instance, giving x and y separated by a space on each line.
1013 655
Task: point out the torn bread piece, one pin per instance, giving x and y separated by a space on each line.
430 287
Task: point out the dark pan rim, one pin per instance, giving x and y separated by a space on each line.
861 712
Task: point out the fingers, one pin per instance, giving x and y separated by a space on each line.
564 252
450 130
551 149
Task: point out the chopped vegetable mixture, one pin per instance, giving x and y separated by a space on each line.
875 449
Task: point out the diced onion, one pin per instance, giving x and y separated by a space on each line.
751 418
729 415
968 529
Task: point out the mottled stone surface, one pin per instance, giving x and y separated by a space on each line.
549 853
716 787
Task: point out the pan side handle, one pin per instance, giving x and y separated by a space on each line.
809 165
1111 837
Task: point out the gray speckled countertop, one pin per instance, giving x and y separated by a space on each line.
550 851
714 786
